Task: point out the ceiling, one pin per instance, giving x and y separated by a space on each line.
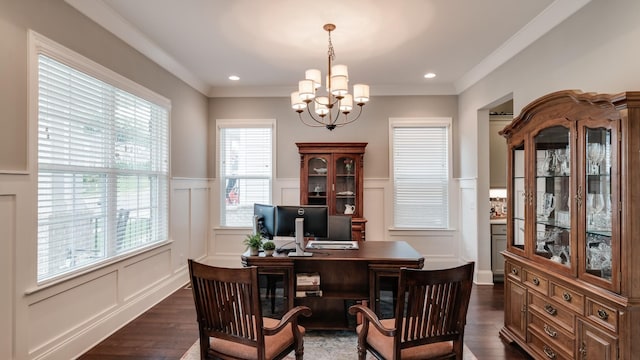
389 45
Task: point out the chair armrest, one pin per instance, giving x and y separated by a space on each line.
369 316
290 317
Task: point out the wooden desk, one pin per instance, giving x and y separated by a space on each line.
346 276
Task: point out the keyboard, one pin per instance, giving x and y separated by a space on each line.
332 245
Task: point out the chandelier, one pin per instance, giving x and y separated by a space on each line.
331 110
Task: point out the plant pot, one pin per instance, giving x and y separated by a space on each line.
254 251
268 253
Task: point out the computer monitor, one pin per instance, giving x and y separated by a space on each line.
265 220
316 219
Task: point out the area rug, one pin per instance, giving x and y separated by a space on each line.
321 345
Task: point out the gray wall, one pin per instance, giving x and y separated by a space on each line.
61 320
63 24
372 127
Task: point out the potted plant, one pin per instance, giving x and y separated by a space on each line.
253 243
268 247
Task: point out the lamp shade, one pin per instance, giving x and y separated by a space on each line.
315 75
296 102
339 85
361 93
321 105
340 70
346 104
306 89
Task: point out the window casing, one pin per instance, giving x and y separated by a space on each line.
245 168
103 163
421 172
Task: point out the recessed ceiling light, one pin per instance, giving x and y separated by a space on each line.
429 75
234 77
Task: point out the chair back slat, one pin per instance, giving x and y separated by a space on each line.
432 305
225 303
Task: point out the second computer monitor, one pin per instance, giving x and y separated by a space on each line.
316 219
265 215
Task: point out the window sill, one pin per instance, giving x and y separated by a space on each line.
93 268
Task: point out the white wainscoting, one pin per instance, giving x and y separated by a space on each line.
441 248
64 319
7 254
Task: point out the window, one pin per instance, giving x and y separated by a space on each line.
245 157
102 165
420 159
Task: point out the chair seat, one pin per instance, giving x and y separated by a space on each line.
384 344
274 344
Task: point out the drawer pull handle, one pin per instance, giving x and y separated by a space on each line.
583 350
550 310
535 281
602 314
547 351
514 271
566 296
549 330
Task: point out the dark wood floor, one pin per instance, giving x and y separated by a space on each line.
168 329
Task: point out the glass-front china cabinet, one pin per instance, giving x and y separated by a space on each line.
572 268
331 174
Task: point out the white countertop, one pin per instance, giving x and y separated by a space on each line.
498 221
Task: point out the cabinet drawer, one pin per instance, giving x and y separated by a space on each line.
498 229
513 271
567 297
554 335
535 281
546 349
553 312
602 314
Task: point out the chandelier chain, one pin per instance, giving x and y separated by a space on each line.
331 53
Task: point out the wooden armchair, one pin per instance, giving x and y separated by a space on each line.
230 318
430 317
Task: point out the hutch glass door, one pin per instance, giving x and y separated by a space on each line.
552 194
518 197
598 203
345 185
317 187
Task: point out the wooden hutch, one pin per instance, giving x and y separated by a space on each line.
332 174
572 263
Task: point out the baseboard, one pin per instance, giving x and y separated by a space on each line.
484 277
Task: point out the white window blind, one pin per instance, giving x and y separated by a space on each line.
245 150
420 158
102 170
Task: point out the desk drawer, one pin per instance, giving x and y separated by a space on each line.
558 314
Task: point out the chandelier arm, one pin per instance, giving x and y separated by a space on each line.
307 123
346 117
320 122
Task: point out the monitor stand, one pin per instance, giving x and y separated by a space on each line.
300 239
